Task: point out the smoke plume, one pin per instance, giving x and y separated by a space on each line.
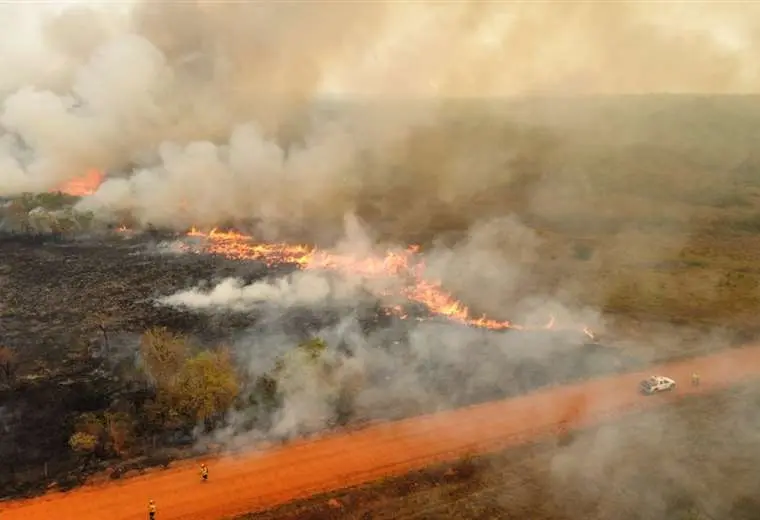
289 119
301 288
207 113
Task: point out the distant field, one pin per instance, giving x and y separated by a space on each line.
648 206
651 204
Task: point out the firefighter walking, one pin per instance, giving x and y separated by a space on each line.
152 510
695 379
204 473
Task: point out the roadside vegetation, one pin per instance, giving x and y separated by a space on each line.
176 389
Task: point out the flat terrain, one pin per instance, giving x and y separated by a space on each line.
637 214
56 297
266 479
74 311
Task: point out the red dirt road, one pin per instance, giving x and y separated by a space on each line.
262 480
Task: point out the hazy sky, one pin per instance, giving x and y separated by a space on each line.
561 46
109 85
428 48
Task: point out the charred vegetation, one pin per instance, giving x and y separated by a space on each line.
74 314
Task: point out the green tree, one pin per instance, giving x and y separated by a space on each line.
87 439
161 414
163 354
50 201
207 385
83 443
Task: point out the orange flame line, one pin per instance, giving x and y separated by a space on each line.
236 245
84 185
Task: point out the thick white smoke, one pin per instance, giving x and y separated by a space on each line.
210 111
302 288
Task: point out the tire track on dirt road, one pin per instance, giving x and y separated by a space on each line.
265 479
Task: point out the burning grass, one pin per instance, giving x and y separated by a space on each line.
74 310
406 264
74 306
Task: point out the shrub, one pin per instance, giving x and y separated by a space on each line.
84 443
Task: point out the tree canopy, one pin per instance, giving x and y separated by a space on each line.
206 385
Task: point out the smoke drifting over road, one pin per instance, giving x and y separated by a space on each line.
284 118
217 113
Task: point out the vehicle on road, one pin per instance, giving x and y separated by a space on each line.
656 384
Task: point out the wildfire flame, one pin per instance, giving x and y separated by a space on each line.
405 264
83 185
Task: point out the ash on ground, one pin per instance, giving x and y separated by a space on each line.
63 298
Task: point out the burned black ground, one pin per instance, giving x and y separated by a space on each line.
73 312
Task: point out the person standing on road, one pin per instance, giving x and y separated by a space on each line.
695 379
204 473
152 510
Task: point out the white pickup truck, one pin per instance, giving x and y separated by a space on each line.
656 384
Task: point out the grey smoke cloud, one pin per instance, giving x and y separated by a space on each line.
208 110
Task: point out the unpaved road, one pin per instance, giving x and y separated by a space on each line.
262 480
